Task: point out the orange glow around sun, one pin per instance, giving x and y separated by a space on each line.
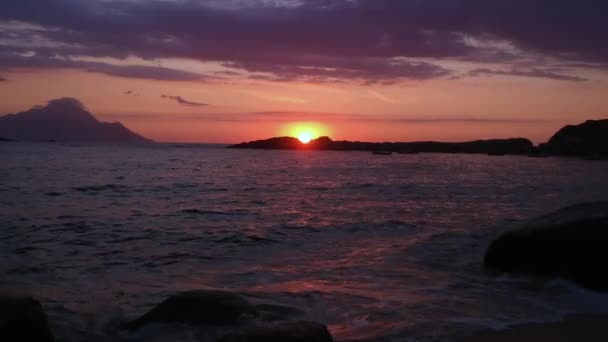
305 131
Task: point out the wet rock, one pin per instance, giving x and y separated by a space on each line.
570 243
23 319
198 307
298 331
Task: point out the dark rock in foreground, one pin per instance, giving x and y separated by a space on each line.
221 311
65 120
198 307
570 329
587 139
570 243
496 146
298 331
22 319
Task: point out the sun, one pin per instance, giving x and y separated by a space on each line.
305 131
305 137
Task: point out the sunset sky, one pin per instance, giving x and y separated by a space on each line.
377 70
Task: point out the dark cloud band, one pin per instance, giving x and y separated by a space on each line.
372 41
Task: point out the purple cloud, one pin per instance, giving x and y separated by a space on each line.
367 70
369 41
43 61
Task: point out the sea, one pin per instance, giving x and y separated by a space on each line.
379 248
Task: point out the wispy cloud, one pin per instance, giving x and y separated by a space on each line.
11 60
2 79
534 73
184 102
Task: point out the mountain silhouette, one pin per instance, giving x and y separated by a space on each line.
65 120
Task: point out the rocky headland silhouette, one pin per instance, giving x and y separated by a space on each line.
65 120
587 139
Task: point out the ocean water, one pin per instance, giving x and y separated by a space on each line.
379 248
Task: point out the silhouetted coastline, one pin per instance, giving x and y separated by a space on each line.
517 146
588 140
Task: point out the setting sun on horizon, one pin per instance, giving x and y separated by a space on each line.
305 137
305 131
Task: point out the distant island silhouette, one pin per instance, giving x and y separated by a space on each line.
65 120
589 139
494 146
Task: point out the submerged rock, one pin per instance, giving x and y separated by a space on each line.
571 243
297 331
198 307
23 319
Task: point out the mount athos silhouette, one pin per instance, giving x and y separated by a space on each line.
65 120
